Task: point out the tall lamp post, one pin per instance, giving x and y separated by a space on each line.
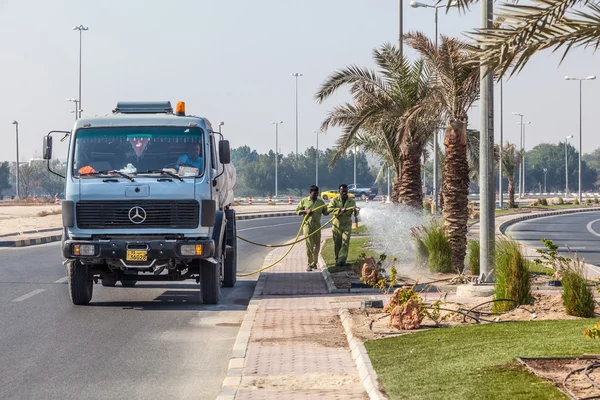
416 4
81 29
520 166
296 75
523 155
276 150
589 78
567 166
355 150
16 124
317 160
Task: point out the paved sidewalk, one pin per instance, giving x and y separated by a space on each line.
297 348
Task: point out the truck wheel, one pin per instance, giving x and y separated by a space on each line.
128 283
210 282
81 285
363 196
108 283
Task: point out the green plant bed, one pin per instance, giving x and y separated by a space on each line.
357 247
362 229
476 362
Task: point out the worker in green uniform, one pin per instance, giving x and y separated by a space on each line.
314 207
342 208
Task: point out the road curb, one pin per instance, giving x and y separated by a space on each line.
30 242
502 227
366 372
237 360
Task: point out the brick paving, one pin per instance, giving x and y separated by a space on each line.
297 347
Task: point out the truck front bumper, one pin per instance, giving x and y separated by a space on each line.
123 249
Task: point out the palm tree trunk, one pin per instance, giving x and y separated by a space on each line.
511 193
410 190
456 189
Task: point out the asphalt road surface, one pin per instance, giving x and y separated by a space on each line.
154 341
579 231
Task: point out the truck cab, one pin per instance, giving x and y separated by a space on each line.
147 198
362 192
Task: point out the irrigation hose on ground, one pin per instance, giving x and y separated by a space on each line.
291 244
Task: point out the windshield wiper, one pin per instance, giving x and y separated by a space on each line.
160 171
106 172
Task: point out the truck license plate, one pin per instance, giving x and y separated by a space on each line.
137 255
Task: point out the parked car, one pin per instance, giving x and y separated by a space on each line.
330 194
363 192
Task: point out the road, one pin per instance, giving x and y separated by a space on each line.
154 341
579 231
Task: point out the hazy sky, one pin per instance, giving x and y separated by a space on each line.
230 60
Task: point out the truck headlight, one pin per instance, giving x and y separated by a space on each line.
191 249
84 249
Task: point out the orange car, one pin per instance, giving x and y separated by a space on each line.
330 194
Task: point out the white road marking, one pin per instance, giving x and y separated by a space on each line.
589 227
62 280
28 295
268 226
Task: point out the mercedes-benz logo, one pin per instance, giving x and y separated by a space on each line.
137 215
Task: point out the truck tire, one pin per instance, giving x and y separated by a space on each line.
210 282
230 269
81 284
108 283
128 283
363 196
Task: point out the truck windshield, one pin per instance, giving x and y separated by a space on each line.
139 150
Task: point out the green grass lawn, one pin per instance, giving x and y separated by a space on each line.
476 362
356 247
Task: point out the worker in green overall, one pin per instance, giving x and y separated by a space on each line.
342 208
314 207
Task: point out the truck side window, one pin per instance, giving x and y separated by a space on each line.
212 152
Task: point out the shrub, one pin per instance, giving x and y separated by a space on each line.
542 201
559 201
588 202
576 201
438 248
577 295
596 201
473 257
512 276
421 253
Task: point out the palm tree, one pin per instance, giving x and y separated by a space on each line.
455 86
380 118
511 158
521 30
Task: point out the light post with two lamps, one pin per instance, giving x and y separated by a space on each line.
296 75
77 110
317 160
276 123
589 78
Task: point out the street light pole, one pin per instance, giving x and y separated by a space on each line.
520 165
355 150
416 4
317 160
589 78
523 159
276 151
500 195
296 74
79 28
567 166
77 108
16 124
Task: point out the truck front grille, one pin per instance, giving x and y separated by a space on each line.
137 214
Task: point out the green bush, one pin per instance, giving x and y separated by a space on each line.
427 206
588 202
577 296
438 248
473 257
542 201
596 201
512 276
421 253
576 201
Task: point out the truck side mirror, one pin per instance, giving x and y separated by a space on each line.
47 151
224 152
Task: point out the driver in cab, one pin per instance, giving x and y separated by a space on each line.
192 158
